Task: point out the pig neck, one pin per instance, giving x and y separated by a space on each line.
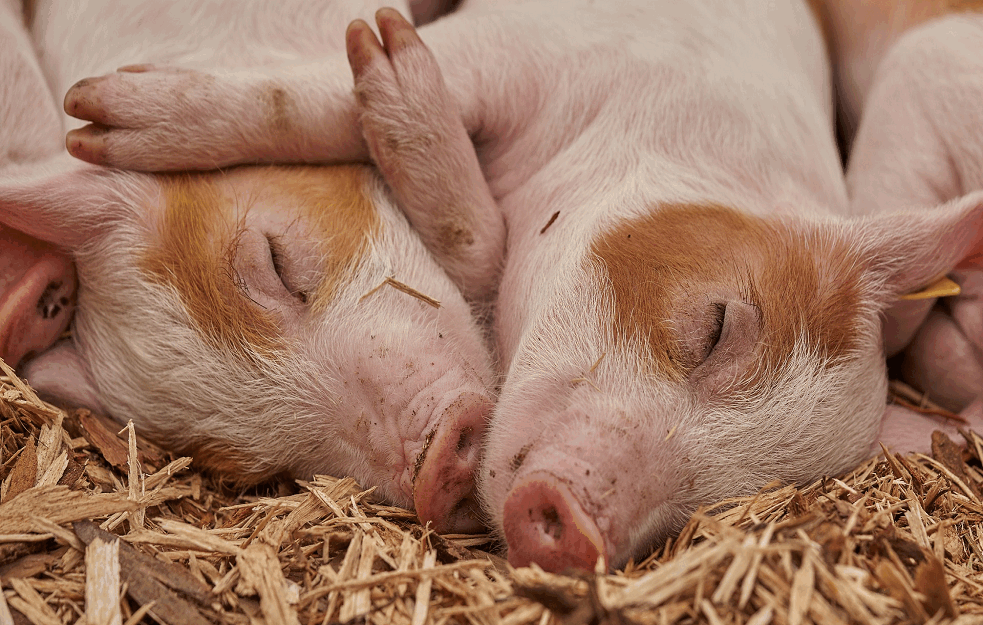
223 35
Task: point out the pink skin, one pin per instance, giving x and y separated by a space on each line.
545 524
372 383
37 295
586 455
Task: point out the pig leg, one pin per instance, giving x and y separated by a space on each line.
942 362
154 118
415 134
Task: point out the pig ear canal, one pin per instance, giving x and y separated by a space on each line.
908 251
61 376
61 201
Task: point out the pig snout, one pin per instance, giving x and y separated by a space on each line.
544 523
37 295
443 485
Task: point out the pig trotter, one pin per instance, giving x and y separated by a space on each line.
416 136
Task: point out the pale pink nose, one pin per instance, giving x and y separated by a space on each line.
545 524
443 489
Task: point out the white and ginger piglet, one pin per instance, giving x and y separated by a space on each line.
910 83
267 320
37 280
683 313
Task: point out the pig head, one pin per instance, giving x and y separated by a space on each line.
250 318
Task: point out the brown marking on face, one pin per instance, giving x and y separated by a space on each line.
279 106
802 283
336 201
196 245
192 255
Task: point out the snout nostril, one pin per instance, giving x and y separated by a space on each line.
551 523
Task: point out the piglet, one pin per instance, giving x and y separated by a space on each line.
910 82
684 314
266 320
37 280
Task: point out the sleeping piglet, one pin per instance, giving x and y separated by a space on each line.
910 82
37 280
684 314
264 319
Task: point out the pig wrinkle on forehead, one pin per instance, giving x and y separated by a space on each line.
651 262
197 241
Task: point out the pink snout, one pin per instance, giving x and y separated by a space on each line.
37 295
443 488
545 524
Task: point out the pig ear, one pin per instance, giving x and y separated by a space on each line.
908 251
60 375
61 201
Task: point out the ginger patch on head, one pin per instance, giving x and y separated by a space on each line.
203 217
192 255
341 214
806 286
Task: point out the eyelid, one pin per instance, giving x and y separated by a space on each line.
277 254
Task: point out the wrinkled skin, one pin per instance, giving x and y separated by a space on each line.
683 313
266 320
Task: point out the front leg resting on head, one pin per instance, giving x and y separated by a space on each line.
158 118
417 138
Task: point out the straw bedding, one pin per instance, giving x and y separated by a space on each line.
100 526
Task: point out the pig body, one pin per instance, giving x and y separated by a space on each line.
254 317
682 314
910 81
37 281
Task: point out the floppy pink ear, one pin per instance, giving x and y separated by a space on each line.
59 375
61 201
906 251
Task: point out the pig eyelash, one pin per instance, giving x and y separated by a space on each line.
276 255
237 280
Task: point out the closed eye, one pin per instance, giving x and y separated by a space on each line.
277 255
716 327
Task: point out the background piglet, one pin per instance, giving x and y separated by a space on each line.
266 320
37 281
683 313
910 80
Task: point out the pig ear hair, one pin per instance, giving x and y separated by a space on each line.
59 374
906 251
62 200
